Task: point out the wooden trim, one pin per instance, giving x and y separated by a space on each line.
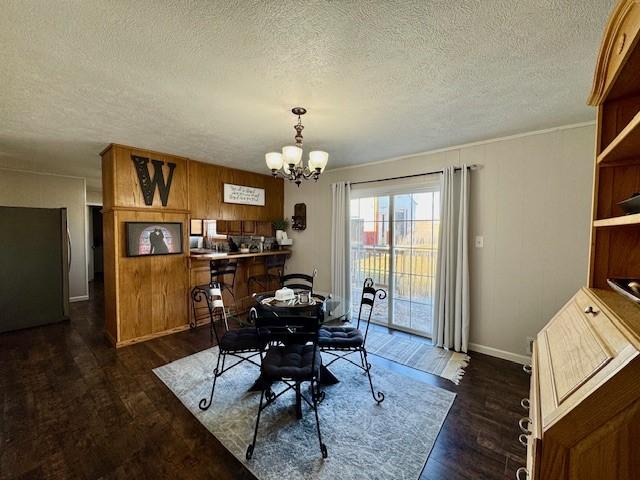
148 209
110 339
138 149
233 256
150 336
600 88
106 149
618 221
594 198
625 145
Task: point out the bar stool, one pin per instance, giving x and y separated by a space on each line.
207 304
273 270
220 271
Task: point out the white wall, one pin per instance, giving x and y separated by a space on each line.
94 197
28 189
530 200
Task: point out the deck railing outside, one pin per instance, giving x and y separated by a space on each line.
414 278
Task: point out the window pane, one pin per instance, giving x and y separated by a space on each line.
355 207
370 254
415 236
402 313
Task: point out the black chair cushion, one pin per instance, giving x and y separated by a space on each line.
340 337
293 361
240 339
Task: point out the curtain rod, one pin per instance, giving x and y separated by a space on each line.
470 167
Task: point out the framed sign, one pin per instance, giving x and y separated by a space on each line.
243 195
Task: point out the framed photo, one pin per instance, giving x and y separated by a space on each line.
243 195
145 239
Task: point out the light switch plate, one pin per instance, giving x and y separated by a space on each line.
479 241
530 341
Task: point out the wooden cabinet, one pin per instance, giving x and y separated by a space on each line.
249 227
584 405
584 394
616 94
264 229
148 296
234 227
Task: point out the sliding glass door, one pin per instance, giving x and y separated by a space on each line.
370 251
394 240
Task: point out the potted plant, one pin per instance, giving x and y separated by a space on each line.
280 226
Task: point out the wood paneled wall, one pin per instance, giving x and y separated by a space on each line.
120 180
206 193
146 297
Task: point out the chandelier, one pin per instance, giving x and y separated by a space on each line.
289 160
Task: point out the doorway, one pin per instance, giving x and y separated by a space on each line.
394 241
95 244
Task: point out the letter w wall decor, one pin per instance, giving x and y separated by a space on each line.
149 184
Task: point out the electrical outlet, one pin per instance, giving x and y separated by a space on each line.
479 241
530 341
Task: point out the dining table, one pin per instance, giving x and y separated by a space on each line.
332 314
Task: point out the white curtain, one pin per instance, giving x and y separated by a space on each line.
451 303
340 243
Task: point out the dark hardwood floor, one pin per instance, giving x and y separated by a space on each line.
73 407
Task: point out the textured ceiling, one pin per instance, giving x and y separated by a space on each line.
214 81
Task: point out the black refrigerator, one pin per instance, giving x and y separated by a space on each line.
35 258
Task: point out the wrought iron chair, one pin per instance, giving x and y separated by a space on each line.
273 271
300 281
341 342
233 342
293 357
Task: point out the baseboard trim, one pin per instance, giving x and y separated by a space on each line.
151 336
495 352
81 298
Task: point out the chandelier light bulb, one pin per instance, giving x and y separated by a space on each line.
318 160
291 155
274 160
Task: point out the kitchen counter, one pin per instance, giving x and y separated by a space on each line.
249 264
220 256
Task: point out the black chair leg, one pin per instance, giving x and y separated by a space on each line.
298 401
250 448
204 405
377 396
323 447
362 361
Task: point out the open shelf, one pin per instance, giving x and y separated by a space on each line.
618 221
625 146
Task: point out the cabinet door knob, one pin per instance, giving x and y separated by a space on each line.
527 369
590 310
519 473
525 403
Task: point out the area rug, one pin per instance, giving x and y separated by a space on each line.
417 354
364 440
